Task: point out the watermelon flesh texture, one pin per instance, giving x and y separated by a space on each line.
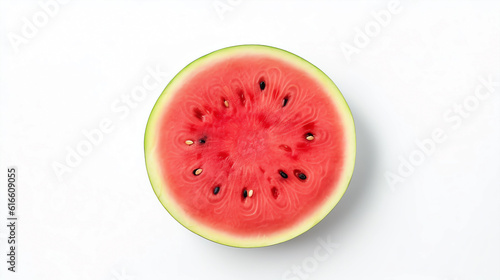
251 149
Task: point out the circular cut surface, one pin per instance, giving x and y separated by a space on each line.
250 146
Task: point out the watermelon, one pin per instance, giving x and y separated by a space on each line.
250 146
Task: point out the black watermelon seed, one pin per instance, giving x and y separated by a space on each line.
202 140
285 101
283 174
262 85
300 175
245 193
216 190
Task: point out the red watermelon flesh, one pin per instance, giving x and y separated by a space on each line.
250 146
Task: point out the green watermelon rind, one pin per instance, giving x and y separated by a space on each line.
155 174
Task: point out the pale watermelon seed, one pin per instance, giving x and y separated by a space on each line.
197 171
226 103
189 142
285 148
250 193
309 136
242 97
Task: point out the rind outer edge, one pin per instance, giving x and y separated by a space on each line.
155 175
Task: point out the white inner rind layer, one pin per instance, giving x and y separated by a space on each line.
153 162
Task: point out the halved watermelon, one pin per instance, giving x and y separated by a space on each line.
250 146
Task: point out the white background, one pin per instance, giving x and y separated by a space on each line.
101 220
